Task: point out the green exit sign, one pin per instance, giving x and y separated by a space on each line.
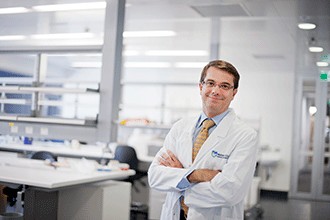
324 76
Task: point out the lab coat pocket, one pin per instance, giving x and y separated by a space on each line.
168 213
216 160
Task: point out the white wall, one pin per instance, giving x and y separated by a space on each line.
269 97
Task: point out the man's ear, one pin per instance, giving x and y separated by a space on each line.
200 88
235 92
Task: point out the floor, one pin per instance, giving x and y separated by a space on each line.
278 207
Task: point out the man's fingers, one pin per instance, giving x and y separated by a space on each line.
171 155
163 160
168 159
164 156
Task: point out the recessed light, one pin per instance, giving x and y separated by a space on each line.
322 64
315 49
312 110
306 26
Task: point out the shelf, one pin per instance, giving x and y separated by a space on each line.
8 117
25 89
122 106
16 80
152 127
35 49
63 121
160 83
15 101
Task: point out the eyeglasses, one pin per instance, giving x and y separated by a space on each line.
211 84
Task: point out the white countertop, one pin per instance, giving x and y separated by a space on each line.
37 173
60 149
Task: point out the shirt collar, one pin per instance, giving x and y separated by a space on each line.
217 119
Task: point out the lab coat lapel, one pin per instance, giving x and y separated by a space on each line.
219 133
187 139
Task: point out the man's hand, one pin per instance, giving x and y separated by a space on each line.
202 175
168 159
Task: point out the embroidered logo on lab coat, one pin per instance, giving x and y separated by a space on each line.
218 155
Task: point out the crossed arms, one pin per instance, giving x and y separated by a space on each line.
168 159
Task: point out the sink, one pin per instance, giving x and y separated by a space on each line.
269 158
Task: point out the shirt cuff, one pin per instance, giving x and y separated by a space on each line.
184 182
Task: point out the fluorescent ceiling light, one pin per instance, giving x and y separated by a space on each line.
176 53
147 65
12 37
13 10
86 65
131 53
315 49
62 36
149 33
57 7
322 64
306 26
71 7
190 65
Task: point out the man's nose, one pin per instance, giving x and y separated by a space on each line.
216 89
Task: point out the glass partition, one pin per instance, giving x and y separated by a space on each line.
56 68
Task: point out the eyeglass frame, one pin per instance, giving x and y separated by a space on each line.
212 84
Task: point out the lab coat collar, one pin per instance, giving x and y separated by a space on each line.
222 129
217 135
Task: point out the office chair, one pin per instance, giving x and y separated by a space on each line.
44 155
127 154
12 192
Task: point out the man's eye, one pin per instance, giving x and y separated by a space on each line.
210 84
225 86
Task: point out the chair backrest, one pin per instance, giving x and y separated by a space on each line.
43 155
127 154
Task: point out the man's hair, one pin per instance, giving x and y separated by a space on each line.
221 65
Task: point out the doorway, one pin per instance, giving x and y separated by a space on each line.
310 178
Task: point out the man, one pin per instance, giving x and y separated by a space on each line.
207 179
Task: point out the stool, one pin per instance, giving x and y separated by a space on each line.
139 209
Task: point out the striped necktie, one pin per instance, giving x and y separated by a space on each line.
200 139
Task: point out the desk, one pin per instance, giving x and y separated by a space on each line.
45 182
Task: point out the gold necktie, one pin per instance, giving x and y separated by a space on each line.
200 139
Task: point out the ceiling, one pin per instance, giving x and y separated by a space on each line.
255 35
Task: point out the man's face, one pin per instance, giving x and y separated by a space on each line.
216 100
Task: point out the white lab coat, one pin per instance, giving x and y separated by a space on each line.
231 148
